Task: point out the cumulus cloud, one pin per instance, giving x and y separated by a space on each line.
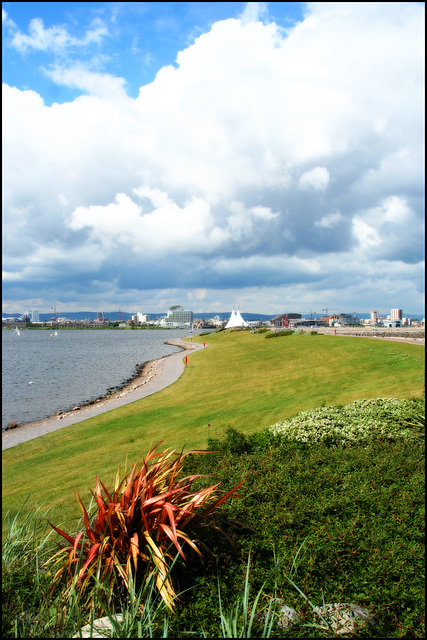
263 159
80 76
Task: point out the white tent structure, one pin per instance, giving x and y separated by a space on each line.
236 320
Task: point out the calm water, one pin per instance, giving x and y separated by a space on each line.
71 368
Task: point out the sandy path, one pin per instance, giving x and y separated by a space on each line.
156 375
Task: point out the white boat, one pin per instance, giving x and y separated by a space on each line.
17 332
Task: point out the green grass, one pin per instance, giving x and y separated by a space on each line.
314 522
241 381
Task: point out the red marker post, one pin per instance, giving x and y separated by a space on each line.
185 360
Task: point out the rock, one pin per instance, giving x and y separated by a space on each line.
11 425
342 617
101 628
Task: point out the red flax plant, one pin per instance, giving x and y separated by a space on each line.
151 512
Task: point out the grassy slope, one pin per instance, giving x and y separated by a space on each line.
242 380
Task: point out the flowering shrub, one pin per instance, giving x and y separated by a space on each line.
386 418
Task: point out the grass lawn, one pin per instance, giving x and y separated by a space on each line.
241 380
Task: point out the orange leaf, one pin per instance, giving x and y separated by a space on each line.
134 546
89 559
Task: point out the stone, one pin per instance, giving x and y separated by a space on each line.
101 628
342 617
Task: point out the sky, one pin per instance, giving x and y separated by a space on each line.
266 156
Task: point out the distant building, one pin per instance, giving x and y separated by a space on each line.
392 323
236 320
396 314
140 318
374 317
284 319
347 318
35 317
177 317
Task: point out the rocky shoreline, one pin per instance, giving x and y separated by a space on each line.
154 376
142 376
414 335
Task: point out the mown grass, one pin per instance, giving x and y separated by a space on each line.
241 380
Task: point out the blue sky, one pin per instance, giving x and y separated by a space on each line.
266 155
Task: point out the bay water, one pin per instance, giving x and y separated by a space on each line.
72 367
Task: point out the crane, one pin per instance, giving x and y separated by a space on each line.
310 312
54 312
328 309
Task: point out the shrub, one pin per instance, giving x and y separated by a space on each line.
279 334
136 528
359 421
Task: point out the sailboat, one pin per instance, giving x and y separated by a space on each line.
17 332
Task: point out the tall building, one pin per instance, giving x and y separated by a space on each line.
396 314
177 315
35 316
140 318
374 317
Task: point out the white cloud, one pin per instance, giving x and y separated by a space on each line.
330 220
81 77
223 167
254 11
6 21
56 38
316 178
365 234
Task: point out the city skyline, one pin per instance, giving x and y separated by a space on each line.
269 155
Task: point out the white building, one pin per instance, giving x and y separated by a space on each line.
177 318
35 316
236 320
140 318
396 314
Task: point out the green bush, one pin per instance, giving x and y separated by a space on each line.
279 334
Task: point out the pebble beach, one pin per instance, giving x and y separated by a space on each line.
155 376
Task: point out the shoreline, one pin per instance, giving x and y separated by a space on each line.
154 376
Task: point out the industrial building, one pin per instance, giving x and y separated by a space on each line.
284 319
